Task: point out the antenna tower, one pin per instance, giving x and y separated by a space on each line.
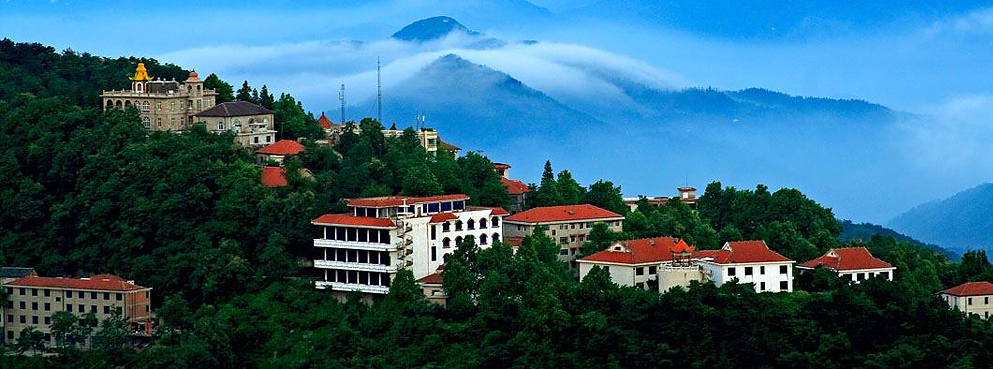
379 93
341 97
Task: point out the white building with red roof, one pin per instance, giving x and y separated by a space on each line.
971 298
748 262
854 263
648 263
567 225
362 250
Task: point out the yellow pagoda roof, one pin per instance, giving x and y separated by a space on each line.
141 74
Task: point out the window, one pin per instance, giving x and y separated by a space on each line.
93 308
762 286
106 309
748 270
445 227
24 319
82 308
34 320
48 320
496 237
564 252
22 290
23 305
653 270
482 223
220 126
495 222
640 285
446 243
970 301
564 240
434 253
434 232
639 271
482 239
93 295
471 224
762 270
458 225
731 271
48 306
34 306
783 269
256 139
784 286
106 295
69 307
48 293
34 292
268 139
119 296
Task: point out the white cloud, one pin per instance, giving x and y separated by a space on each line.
975 22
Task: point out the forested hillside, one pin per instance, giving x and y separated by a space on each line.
83 191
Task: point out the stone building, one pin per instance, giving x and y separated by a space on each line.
252 124
32 301
163 105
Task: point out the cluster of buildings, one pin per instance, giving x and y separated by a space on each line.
32 301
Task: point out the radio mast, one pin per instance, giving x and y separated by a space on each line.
379 94
341 97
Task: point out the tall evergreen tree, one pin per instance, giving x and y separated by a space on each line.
548 192
244 93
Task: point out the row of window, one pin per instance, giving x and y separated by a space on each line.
144 105
357 256
357 277
68 294
864 276
572 238
336 233
469 224
783 269
483 240
579 225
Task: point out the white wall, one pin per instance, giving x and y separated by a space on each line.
771 276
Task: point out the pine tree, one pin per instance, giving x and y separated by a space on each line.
548 192
265 98
244 93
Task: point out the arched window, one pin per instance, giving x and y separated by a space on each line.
482 223
471 224
146 122
198 88
120 104
495 222
446 243
496 237
109 104
144 106
458 240
446 226
458 225
482 239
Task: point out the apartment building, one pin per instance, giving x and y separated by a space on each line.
362 250
33 300
748 262
971 298
567 225
853 263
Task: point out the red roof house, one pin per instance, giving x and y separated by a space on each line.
970 289
388 201
282 147
324 122
102 282
641 251
564 213
847 259
515 187
740 252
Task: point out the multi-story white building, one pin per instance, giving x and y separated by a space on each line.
748 262
363 250
854 263
971 298
647 263
567 225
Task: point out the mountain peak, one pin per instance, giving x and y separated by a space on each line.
431 29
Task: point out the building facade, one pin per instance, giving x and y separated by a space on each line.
852 263
567 225
685 194
163 105
517 190
658 263
33 300
252 125
362 250
974 298
748 262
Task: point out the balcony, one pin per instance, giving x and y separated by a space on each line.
371 246
337 286
363 267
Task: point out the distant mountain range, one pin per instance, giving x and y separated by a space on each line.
865 231
963 221
431 29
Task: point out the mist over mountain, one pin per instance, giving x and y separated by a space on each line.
961 222
431 29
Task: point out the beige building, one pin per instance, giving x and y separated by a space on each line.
971 298
163 105
686 194
658 263
252 124
567 225
33 300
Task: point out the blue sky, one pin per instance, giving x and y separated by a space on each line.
916 56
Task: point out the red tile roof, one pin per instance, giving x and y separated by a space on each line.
493 211
324 122
282 147
442 217
385 201
434 278
743 252
641 251
448 146
971 289
105 282
351 220
274 177
562 213
515 187
501 166
848 258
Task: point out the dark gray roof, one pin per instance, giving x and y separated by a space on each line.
234 109
16 272
162 86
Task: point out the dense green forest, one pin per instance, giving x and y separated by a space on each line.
83 191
